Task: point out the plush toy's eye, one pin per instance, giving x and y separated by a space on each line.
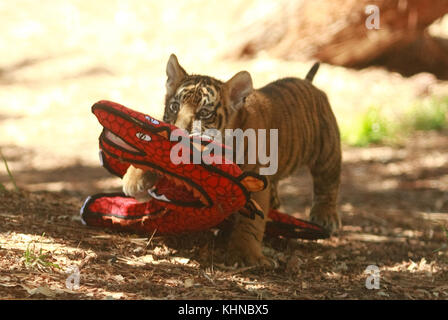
174 107
143 136
205 114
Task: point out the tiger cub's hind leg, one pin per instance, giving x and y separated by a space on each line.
326 180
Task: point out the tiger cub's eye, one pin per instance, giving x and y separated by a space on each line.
174 107
205 114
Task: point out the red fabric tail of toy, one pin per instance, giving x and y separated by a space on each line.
287 226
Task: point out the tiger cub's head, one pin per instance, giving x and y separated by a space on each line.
195 97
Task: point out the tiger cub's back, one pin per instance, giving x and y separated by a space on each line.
308 133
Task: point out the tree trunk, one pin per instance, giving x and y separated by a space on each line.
335 31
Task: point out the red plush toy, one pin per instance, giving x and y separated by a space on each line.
188 197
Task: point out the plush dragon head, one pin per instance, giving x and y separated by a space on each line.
188 196
184 189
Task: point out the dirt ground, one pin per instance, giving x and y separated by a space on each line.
61 57
393 205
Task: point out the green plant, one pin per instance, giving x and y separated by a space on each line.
429 115
369 127
2 187
36 258
373 126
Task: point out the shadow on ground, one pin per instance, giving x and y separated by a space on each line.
393 205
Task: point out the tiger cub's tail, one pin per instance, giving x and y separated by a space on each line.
310 75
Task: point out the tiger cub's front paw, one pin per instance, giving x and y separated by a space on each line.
241 257
137 182
245 252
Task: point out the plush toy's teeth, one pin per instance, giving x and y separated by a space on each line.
158 197
203 200
173 180
178 182
196 193
187 185
200 196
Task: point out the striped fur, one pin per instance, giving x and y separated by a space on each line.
308 136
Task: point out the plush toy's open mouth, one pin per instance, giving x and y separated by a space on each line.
168 186
177 191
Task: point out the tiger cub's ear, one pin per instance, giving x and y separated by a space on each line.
237 89
175 74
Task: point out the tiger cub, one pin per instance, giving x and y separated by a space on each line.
308 135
